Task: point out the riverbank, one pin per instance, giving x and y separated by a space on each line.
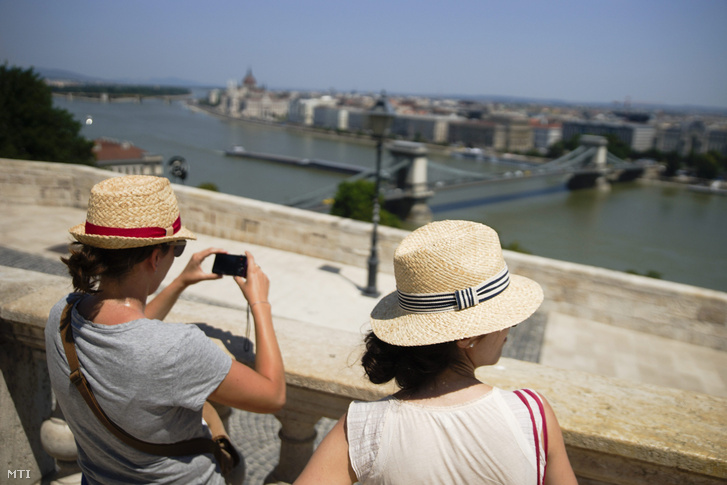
330 134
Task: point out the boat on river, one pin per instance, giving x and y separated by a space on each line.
470 152
327 165
716 187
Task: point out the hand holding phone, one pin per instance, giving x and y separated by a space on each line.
230 264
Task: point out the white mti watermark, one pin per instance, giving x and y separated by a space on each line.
18 473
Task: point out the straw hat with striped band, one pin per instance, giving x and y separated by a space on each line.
452 283
130 212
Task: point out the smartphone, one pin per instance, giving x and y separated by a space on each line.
230 264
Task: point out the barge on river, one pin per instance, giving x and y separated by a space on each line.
238 151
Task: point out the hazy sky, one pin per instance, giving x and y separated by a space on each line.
658 51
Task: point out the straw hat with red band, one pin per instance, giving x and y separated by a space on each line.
130 212
452 283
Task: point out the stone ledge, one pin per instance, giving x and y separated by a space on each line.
653 430
599 468
26 297
660 426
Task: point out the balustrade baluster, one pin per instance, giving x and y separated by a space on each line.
57 440
297 437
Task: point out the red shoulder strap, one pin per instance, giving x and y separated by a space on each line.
538 400
519 393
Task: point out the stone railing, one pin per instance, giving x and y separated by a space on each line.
211 213
672 310
616 432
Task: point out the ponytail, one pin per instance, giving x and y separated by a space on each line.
88 264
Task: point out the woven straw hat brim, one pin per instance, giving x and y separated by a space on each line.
117 242
131 211
396 326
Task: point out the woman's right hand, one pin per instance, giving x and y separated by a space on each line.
260 389
255 285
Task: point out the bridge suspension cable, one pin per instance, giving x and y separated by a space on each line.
617 162
459 172
571 159
315 198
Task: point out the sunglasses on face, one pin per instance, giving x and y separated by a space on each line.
178 247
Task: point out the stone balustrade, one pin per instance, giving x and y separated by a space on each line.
616 432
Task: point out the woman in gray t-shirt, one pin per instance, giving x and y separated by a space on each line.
150 378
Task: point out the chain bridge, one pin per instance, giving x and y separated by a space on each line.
588 165
411 179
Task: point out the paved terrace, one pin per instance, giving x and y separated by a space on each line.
325 293
315 296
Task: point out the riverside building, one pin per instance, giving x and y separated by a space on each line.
638 137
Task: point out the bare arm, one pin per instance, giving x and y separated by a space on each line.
330 463
559 470
159 307
262 388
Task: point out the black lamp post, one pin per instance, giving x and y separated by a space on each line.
380 118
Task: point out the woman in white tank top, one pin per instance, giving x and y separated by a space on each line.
454 306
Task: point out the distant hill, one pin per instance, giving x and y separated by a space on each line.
61 74
162 81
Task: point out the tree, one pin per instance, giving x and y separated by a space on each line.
720 159
673 163
559 148
355 200
705 165
31 128
209 186
649 274
515 246
573 143
618 147
556 150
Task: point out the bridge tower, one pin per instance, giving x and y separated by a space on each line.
600 143
595 172
409 200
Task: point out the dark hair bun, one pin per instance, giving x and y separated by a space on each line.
411 367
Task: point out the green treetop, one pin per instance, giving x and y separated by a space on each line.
355 201
31 128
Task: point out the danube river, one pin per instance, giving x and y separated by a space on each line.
668 229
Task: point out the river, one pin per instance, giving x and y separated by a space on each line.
668 229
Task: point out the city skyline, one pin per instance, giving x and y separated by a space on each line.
643 51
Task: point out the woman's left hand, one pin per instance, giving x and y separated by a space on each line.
193 272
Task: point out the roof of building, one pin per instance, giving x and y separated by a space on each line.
536 123
106 149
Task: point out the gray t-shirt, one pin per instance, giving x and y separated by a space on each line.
151 378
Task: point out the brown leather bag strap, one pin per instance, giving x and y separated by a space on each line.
193 446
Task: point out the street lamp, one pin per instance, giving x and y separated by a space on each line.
178 168
379 119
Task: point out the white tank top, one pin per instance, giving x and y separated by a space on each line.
489 440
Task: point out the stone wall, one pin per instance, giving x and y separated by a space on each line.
616 432
672 310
